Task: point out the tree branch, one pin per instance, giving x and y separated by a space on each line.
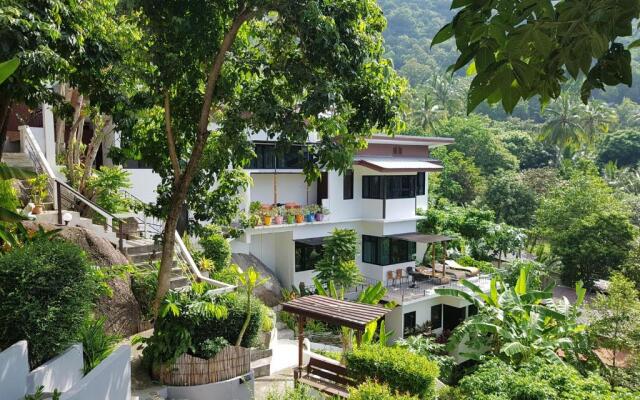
171 141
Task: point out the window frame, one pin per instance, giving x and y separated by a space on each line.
348 185
302 258
382 251
439 319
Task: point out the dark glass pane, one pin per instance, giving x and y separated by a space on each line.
409 322
421 184
371 187
307 256
347 185
384 250
369 244
473 310
400 186
436 316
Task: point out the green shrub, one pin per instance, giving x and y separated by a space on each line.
47 289
211 347
495 380
301 392
96 343
144 285
215 247
401 369
484 266
8 197
230 327
374 391
427 346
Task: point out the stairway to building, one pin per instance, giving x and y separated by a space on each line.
145 252
18 160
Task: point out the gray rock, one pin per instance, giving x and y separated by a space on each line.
271 292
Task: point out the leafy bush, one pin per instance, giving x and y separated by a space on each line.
48 288
495 380
483 266
211 347
374 391
401 369
96 343
301 392
538 273
215 247
437 352
338 259
144 285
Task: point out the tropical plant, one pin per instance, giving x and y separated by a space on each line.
338 262
39 188
429 114
428 347
249 280
371 390
514 323
7 68
41 395
215 246
209 348
563 126
97 344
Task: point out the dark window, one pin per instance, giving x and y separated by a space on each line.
452 317
371 187
269 157
421 184
436 316
391 186
409 322
386 251
347 185
307 256
473 310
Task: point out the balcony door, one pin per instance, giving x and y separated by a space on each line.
323 188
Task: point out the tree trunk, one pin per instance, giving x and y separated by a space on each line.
245 325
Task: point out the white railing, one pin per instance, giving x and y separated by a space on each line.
32 149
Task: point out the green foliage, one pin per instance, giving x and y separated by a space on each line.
7 68
537 380
209 348
338 264
38 187
587 226
371 390
511 53
401 369
427 347
622 147
41 395
468 222
215 247
538 274
106 185
615 323
96 343
299 392
515 324
484 266
513 202
530 152
8 199
249 280
460 181
144 284
66 288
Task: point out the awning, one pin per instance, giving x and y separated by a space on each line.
421 237
315 241
398 164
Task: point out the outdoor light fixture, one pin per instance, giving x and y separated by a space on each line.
66 218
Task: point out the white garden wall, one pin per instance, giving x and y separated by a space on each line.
61 372
14 367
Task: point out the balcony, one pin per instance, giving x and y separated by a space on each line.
408 291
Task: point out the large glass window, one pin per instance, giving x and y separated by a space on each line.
390 186
409 322
347 185
269 157
387 251
307 256
436 316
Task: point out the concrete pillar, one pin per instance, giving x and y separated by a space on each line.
49 129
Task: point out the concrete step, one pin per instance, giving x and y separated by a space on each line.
261 367
140 258
179 282
18 160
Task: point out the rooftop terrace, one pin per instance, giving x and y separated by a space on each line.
407 292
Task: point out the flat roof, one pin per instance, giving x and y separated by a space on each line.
421 237
412 140
334 311
397 164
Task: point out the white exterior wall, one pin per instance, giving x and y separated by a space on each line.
291 188
61 372
14 367
144 183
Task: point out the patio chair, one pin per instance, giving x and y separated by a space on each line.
469 271
400 275
390 277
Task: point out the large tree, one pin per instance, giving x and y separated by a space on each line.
518 49
223 69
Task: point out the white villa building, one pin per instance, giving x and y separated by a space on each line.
378 197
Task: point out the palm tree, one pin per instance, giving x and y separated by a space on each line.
596 118
429 115
516 323
563 127
446 91
250 280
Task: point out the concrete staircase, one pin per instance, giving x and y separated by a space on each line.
145 252
18 160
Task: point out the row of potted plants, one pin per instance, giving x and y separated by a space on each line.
278 215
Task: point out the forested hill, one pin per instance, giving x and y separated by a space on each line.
413 23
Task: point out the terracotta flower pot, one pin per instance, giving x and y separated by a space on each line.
299 218
37 209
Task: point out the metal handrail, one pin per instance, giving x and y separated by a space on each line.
41 166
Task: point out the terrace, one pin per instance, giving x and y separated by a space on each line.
408 291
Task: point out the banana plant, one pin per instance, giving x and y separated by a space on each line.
517 323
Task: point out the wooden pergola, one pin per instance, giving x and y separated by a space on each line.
332 311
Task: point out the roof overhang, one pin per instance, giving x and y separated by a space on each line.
431 141
314 241
397 164
421 237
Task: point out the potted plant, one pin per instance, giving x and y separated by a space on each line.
291 216
278 215
267 216
254 213
38 192
321 212
310 212
298 214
